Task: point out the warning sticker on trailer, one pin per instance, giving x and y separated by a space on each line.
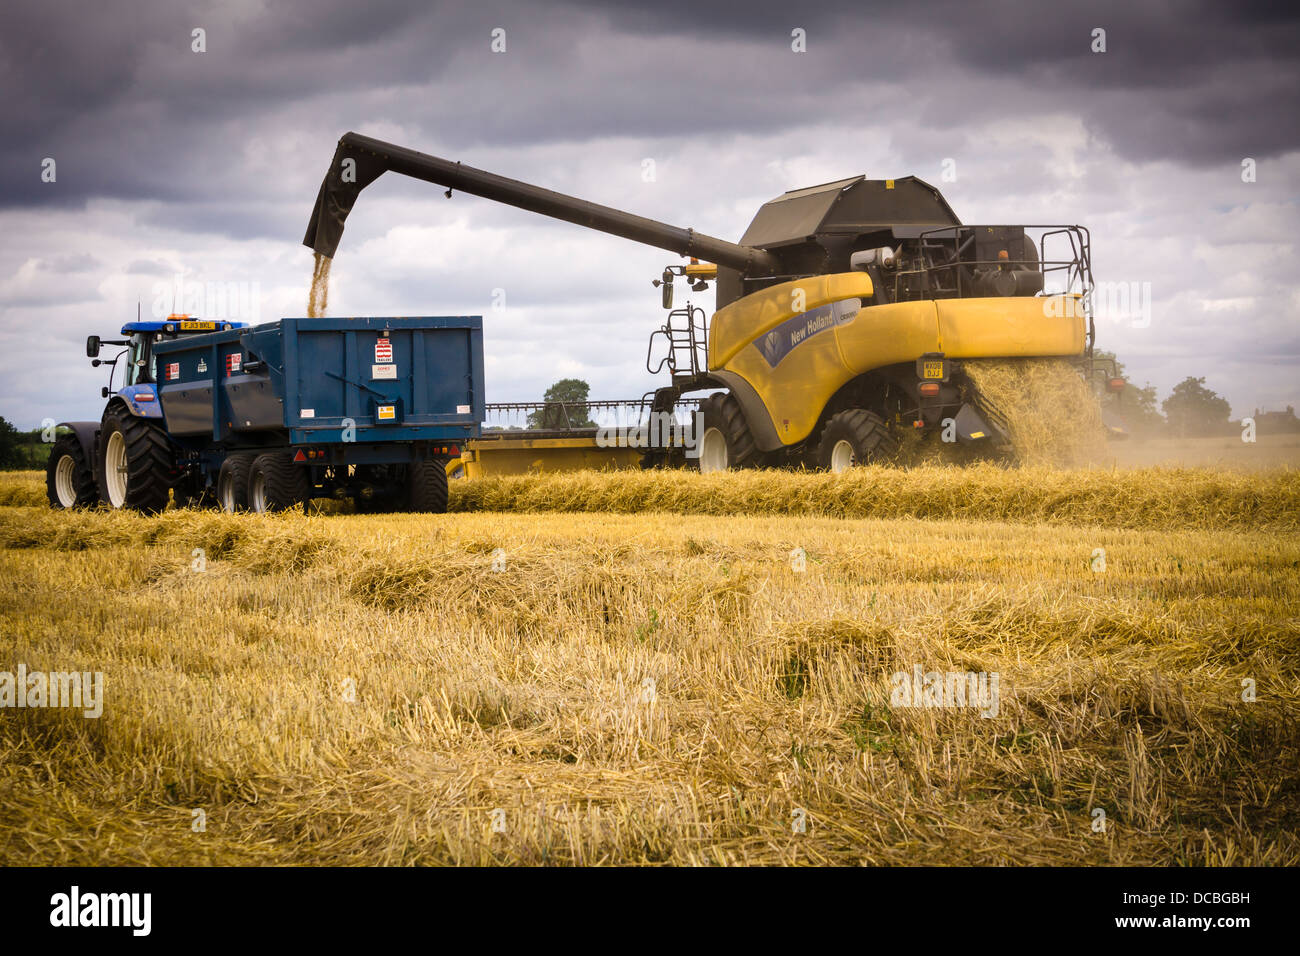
173 371
234 361
383 371
383 351
387 412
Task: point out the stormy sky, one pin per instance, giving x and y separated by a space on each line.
177 168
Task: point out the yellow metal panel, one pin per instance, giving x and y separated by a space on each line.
989 328
493 456
886 334
736 325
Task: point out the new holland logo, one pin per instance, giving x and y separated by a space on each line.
794 331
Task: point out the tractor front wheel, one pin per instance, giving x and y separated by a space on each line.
136 463
855 436
275 483
69 480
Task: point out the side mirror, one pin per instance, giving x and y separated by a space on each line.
92 346
103 392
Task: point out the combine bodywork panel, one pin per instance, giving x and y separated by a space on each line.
795 362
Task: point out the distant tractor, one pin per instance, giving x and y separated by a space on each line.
842 316
266 418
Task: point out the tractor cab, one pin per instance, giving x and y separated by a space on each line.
141 368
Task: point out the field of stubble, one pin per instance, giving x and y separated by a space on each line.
623 669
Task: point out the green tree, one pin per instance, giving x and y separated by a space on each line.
564 406
1192 409
11 446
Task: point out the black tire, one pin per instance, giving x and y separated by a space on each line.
275 483
866 434
78 486
232 482
426 487
722 414
150 462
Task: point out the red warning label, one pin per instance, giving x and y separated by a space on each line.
173 371
233 362
383 351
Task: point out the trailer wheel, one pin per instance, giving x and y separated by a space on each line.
135 463
232 482
69 480
275 483
426 487
855 436
724 441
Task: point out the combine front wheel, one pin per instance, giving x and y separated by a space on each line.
724 441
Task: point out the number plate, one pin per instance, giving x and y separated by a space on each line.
932 370
198 326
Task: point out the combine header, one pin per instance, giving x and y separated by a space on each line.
842 318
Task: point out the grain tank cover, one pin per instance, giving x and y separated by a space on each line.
848 207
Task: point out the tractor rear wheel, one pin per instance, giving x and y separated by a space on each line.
855 436
724 441
136 463
426 486
69 480
275 483
232 482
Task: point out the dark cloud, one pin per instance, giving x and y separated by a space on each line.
114 93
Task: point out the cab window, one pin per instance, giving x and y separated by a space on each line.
140 367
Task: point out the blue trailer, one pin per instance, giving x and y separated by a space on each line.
266 418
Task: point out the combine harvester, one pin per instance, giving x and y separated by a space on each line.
842 320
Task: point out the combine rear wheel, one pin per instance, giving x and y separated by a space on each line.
855 437
69 481
275 483
426 486
724 440
135 463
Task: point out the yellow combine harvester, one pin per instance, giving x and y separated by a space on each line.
842 320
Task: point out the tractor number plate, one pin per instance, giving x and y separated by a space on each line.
198 326
932 369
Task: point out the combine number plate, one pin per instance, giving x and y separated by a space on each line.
933 369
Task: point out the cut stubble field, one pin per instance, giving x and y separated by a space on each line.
668 668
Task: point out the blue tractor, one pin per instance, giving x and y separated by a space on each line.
267 417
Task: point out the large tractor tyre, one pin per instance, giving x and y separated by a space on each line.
136 463
69 479
275 483
232 482
426 487
724 439
855 437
